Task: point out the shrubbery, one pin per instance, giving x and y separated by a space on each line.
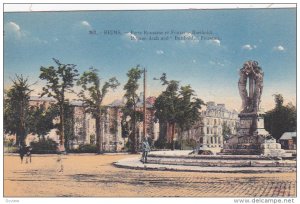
163 144
47 146
85 148
205 152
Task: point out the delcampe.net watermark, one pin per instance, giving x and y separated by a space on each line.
264 200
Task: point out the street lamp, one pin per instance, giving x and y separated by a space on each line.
144 105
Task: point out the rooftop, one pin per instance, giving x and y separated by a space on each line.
38 98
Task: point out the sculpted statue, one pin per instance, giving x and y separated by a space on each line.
252 73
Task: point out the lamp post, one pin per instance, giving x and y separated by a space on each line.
144 105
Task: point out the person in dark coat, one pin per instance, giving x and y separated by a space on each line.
28 150
145 149
22 152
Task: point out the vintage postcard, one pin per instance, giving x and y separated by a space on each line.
159 101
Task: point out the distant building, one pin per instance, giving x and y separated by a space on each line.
288 140
78 128
37 101
208 131
152 126
84 125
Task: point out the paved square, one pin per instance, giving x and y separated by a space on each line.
94 176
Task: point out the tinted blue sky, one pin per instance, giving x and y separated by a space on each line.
209 66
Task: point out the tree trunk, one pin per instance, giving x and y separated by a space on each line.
21 133
99 135
172 135
17 139
62 128
133 150
134 140
181 138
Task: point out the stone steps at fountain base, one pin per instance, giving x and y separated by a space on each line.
221 162
135 163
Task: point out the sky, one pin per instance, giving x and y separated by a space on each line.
203 48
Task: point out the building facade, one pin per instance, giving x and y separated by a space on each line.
84 125
208 132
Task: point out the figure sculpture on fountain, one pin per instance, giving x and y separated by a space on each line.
252 138
252 73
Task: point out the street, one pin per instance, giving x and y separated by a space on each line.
90 175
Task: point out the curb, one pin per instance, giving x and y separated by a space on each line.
134 164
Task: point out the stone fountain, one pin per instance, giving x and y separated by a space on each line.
252 138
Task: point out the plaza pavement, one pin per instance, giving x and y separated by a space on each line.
91 175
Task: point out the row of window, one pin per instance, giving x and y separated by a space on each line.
219 114
218 121
214 140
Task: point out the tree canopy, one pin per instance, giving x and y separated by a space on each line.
176 107
92 95
281 119
130 114
16 108
59 81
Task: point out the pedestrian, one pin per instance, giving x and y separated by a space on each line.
21 152
145 149
28 150
59 160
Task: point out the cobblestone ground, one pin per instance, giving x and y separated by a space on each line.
94 175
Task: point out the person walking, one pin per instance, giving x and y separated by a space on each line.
28 150
22 152
145 149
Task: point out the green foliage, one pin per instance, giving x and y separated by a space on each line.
205 152
177 106
187 113
47 146
161 143
8 143
16 109
69 124
281 119
130 115
85 148
92 95
41 120
226 132
166 102
59 81
191 143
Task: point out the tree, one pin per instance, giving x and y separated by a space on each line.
41 120
166 108
16 105
188 109
130 114
176 106
59 81
92 95
69 125
281 119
